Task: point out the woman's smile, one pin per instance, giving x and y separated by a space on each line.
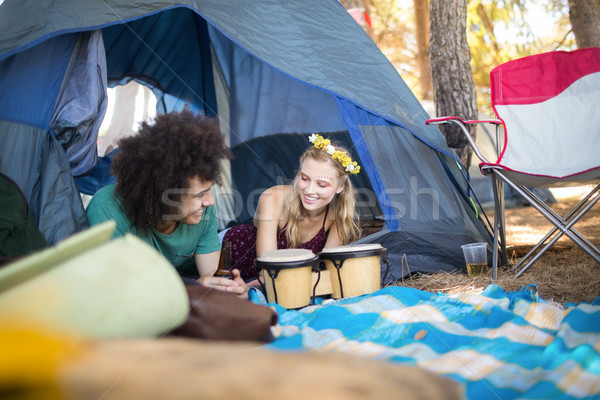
310 198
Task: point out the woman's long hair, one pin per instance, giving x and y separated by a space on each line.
341 208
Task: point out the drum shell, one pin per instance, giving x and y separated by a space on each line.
288 283
356 273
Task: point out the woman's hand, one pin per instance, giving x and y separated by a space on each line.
255 283
236 285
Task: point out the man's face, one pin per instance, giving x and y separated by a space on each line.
194 200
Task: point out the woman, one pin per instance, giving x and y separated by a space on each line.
315 211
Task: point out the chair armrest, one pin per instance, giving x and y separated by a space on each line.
462 125
440 120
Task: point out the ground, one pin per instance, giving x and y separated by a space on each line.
563 275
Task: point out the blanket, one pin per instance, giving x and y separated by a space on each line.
499 345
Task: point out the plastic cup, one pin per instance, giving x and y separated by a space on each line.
476 258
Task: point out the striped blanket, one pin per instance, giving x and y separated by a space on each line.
500 345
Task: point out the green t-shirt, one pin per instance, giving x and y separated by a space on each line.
178 247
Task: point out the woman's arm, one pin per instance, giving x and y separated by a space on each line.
333 238
267 216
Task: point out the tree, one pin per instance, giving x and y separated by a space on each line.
394 34
422 34
449 59
585 22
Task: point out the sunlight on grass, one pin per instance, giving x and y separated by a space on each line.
523 234
575 192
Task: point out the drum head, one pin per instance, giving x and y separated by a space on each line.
286 255
350 248
286 258
352 251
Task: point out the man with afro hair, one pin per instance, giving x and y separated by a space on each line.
163 193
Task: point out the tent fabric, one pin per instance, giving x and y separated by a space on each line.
37 163
29 92
82 103
271 166
99 176
30 154
425 252
268 101
268 69
159 39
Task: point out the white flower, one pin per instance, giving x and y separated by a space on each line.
350 167
330 149
312 138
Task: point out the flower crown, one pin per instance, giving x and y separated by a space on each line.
341 156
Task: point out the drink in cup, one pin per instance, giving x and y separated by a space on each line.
476 258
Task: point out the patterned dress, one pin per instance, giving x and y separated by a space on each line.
243 246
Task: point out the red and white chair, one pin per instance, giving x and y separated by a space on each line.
549 106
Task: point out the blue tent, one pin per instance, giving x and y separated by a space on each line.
272 71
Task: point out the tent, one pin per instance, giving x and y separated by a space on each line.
272 71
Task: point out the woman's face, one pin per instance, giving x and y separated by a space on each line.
317 184
194 200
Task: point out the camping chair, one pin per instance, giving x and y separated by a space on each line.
548 105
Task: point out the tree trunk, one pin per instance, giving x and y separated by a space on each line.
422 32
449 58
585 22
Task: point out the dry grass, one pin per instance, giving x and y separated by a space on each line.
565 274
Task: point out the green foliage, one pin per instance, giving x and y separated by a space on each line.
394 34
497 31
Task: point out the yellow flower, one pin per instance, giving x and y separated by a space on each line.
321 143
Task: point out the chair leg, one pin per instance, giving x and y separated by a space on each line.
502 226
574 211
574 215
565 226
534 249
499 231
592 251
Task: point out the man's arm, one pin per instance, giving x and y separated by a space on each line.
207 265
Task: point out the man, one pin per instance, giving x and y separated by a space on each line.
163 194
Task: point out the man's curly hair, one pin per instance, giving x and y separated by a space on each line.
164 155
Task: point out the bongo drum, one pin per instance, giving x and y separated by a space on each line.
287 275
354 269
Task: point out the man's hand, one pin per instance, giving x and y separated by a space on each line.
236 285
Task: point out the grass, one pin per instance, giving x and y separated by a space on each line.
566 274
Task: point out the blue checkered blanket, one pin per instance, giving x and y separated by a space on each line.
500 345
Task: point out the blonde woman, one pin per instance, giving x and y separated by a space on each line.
315 211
